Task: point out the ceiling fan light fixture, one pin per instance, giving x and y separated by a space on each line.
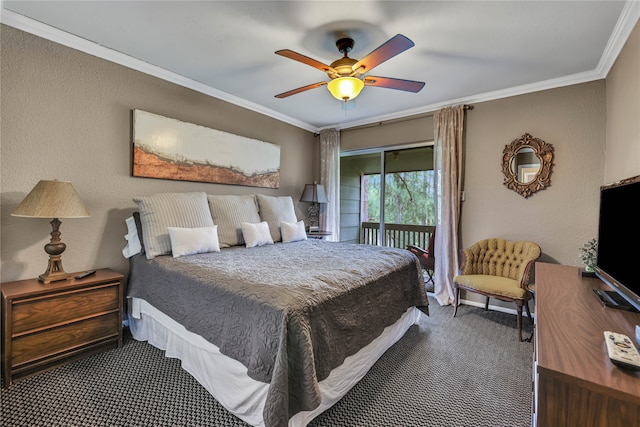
345 88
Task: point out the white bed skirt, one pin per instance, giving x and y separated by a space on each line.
226 378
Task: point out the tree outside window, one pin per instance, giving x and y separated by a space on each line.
408 198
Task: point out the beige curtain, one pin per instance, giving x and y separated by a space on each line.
330 178
448 131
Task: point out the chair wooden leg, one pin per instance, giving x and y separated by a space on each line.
486 304
456 301
519 303
526 306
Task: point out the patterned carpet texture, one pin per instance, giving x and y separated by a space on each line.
445 372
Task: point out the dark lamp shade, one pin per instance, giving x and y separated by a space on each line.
52 199
314 193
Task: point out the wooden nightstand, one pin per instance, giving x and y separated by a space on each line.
44 326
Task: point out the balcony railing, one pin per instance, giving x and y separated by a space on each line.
396 235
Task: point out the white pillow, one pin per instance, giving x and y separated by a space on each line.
162 210
256 234
293 232
274 210
187 241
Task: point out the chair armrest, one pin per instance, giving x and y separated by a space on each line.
527 272
418 250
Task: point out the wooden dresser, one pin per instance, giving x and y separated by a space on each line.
575 383
47 325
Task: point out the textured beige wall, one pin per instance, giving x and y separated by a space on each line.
591 129
401 132
67 115
623 112
563 216
559 218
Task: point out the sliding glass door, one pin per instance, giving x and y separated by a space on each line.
395 196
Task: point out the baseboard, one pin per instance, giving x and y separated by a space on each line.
491 307
495 308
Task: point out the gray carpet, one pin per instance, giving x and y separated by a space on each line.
464 371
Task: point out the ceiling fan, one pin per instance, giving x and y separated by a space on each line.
345 73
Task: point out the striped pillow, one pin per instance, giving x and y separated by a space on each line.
274 210
162 210
229 212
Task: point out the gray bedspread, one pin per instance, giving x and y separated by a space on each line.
289 312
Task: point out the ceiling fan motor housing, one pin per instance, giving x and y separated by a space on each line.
344 68
345 45
344 65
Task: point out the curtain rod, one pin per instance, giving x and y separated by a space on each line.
405 119
401 119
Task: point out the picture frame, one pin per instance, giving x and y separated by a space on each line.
166 148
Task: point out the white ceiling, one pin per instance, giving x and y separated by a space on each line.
465 51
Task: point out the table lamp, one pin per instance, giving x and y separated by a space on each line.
315 194
52 199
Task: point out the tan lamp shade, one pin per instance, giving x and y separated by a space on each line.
52 199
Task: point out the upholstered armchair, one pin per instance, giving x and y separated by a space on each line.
498 268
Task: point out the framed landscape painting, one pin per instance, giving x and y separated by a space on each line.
167 148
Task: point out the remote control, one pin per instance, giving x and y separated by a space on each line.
622 351
85 274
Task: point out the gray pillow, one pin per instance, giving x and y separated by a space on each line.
274 210
162 210
229 212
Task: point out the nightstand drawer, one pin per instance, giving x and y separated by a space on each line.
47 311
49 342
47 325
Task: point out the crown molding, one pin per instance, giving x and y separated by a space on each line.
39 29
625 25
482 97
629 16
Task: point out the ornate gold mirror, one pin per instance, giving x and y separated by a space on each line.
526 165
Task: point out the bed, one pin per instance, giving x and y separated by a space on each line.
276 327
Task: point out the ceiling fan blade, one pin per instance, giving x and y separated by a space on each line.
300 89
305 60
392 47
399 84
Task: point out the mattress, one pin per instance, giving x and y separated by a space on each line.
226 379
288 314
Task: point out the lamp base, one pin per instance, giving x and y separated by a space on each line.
313 215
54 272
54 248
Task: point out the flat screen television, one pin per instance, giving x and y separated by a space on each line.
618 255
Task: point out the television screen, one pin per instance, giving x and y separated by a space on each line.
618 262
